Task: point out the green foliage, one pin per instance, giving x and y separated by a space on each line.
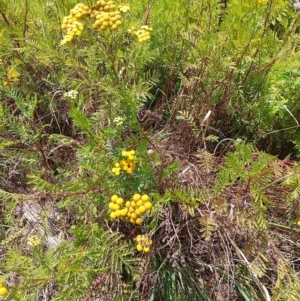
7 196
292 183
211 73
245 293
177 283
252 173
190 198
92 253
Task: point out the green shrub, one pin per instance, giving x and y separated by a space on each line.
119 178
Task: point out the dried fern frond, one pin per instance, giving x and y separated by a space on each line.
206 160
220 205
259 265
208 226
244 219
287 286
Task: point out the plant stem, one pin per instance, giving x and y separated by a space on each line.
284 227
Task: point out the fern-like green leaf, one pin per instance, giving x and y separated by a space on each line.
245 293
8 196
41 184
26 105
191 198
80 120
293 183
189 118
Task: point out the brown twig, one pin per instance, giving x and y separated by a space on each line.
98 283
5 18
25 19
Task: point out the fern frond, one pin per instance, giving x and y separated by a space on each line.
277 169
8 196
220 205
287 286
80 120
94 251
188 117
109 251
244 152
260 218
224 179
259 200
208 226
261 174
184 197
25 104
293 183
190 36
41 184
18 98
205 160
244 219
137 278
191 198
259 265
281 274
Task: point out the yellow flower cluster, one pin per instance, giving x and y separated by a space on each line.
106 20
105 12
12 77
71 25
143 34
3 289
103 5
105 16
124 8
127 165
261 1
298 222
115 207
133 210
34 241
143 243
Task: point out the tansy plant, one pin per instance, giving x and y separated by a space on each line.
127 164
34 241
67 111
3 289
105 15
132 210
71 26
143 243
142 34
12 77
